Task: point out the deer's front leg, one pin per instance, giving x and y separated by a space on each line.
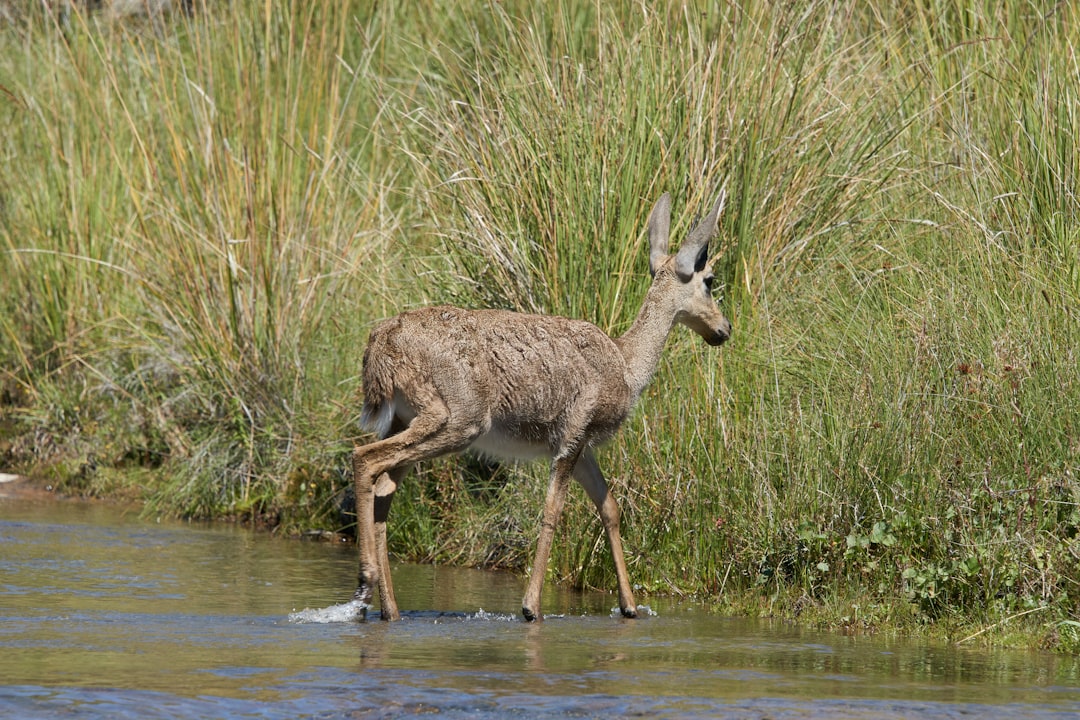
588 474
556 497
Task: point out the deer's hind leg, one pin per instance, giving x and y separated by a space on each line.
429 435
385 488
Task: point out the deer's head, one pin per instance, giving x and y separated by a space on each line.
687 275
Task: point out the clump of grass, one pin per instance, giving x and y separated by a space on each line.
553 184
194 243
555 144
263 217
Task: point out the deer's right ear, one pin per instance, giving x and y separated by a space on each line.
659 227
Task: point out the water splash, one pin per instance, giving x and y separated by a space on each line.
351 611
481 614
642 611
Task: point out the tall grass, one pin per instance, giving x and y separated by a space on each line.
205 215
879 420
202 216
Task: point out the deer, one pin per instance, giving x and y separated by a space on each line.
518 386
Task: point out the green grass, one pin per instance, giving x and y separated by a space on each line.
201 217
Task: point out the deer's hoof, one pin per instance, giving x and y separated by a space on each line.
530 616
629 612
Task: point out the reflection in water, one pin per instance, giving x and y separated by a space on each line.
104 615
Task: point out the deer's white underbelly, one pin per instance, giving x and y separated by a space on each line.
505 446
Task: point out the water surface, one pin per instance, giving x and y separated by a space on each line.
106 615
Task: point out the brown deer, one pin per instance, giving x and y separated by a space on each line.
442 380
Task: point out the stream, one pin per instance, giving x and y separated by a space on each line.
105 614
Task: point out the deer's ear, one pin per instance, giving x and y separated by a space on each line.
659 228
694 252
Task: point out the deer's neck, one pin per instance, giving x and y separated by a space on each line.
643 343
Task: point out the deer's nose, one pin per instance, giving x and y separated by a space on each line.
720 333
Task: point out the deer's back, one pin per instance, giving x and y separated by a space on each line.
520 373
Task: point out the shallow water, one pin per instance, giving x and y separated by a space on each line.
104 615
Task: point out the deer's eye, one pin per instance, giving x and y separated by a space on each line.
709 283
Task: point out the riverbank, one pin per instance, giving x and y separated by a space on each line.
201 218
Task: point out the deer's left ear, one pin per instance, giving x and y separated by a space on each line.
694 252
659 227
